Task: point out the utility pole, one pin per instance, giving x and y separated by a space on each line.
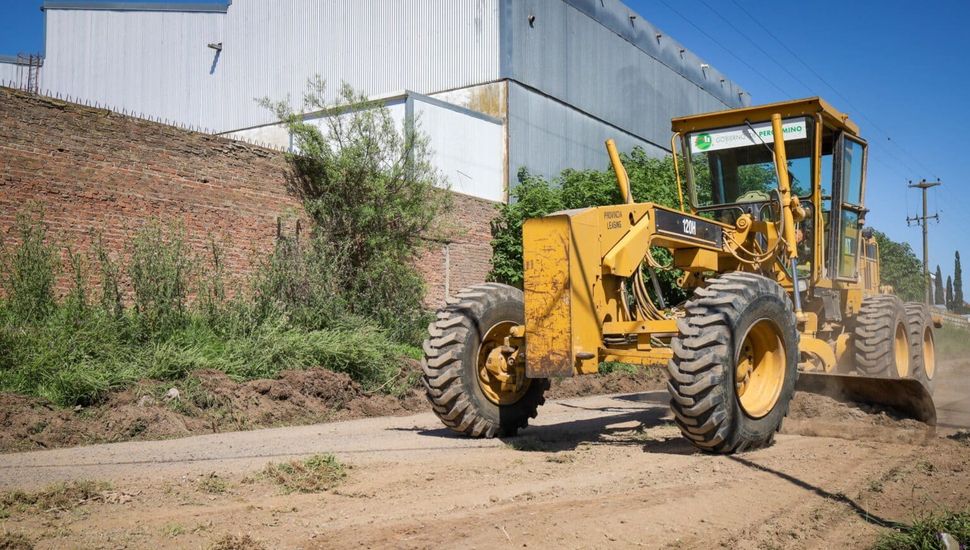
921 221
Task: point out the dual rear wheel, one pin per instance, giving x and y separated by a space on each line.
895 340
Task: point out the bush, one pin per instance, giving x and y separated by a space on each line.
372 195
346 297
76 351
926 531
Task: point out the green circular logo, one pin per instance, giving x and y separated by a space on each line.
703 142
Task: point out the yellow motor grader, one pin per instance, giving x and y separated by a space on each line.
769 239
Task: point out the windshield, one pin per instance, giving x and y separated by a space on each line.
735 165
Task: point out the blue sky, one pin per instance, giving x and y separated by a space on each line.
897 67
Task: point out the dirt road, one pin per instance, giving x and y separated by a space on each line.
595 471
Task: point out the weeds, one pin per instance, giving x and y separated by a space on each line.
925 532
313 475
30 270
213 484
345 297
15 541
76 351
237 542
952 342
608 367
61 496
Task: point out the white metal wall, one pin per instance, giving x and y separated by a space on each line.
142 61
10 73
468 150
271 48
158 62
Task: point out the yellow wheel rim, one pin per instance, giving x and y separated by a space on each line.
501 371
760 372
901 351
929 353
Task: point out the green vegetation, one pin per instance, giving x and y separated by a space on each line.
952 342
958 304
345 297
372 195
313 475
237 542
60 496
213 484
924 534
900 268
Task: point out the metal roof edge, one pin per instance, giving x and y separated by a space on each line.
623 21
188 7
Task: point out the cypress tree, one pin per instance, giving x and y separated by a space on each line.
957 284
949 293
939 298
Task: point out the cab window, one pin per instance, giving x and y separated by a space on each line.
735 165
851 179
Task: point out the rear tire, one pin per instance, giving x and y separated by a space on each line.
882 340
736 317
922 342
451 363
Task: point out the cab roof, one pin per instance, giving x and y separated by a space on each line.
761 113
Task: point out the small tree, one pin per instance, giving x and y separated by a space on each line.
939 298
372 196
900 268
949 293
957 284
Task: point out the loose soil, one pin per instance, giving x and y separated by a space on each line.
211 402
591 472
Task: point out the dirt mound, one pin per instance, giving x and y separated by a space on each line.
207 401
819 415
210 401
648 379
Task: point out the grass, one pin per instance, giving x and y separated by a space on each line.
316 474
213 484
952 342
15 541
237 542
924 534
608 367
60 496
162 315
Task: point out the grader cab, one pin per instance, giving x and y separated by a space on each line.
769 240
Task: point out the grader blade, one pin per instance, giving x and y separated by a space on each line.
909 397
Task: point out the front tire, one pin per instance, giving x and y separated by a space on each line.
735 362
465 395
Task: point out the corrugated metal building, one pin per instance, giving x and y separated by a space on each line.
497 84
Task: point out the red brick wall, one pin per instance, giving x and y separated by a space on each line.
94 170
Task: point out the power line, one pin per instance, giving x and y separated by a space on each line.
922 221
758 46
835 91
726 49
